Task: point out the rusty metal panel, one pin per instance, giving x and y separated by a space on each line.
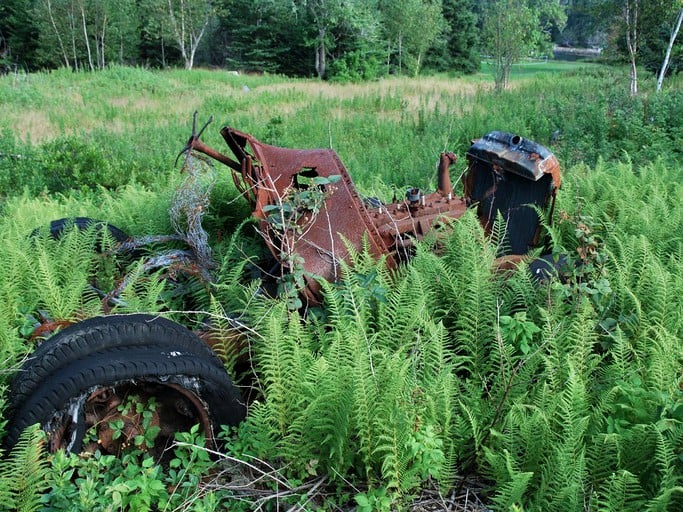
516 155
340 226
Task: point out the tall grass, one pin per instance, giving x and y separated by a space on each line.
125 125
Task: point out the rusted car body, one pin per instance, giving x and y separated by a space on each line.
81 377
506 175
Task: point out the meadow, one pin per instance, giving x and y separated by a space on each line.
443 382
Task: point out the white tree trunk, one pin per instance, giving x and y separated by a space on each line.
667 58
102 44
185 25
72 26
179 30
85 36
631 19
59 37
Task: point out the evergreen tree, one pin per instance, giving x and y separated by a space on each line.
18 34
263 35
457 49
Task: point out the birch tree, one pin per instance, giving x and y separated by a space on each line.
54 20
188 21
631 11
667 56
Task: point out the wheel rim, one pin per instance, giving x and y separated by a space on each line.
118 417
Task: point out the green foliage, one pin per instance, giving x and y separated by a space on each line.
133 481
23 474
513 29
518 330
331 387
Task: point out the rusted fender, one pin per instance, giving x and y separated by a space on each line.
269 173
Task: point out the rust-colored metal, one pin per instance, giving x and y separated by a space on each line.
508 175
267 174
118 423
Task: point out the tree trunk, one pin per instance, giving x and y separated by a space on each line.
163 52
631 18
179 30
320 61
102 45
72 23
400 53
85 36
59 37
672 39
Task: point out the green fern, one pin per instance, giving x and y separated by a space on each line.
513 485
564 472
63 272
623 492
23 475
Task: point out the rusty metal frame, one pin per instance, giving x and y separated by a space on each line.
266 175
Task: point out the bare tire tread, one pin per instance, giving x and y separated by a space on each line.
124 364
95 334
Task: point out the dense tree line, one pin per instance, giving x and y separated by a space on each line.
347 39
353 38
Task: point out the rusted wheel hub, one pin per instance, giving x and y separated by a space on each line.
145 415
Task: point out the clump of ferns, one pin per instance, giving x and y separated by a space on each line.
365 392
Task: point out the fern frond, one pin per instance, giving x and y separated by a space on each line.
142 291
667 461
327 421
564 473
472 298
23 475
63 270
365 400
512 487
622 492
227 341
393 425
279 361
662 362
403 313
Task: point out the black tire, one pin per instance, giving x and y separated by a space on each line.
546 267
59 226
58 403
94 335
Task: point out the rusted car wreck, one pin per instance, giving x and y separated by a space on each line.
311 216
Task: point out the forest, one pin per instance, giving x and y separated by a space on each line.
330 39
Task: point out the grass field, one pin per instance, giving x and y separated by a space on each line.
407 388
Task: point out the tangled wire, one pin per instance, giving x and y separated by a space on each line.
189 205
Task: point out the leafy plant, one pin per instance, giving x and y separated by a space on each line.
290 218
518 330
